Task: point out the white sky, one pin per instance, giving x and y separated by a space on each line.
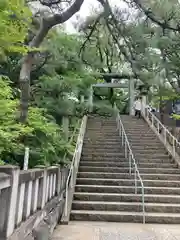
88 7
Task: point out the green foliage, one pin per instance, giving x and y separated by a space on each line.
42 135
103 108
175 116
55 93
15 18
66 78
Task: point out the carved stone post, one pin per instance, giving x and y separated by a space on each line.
91 99
9 202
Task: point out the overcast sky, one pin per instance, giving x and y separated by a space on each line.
88 7
86 10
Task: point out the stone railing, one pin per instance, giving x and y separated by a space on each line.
31 202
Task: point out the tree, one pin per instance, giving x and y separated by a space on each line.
46 22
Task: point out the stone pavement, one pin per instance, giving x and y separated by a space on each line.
116 231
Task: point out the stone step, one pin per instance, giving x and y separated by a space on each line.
115 216
119 148
107 137
121 158
102 150
145 142
111 154
117 197
101 120
102 130
103 158
107 140
140 133
96 121
146 176
148 148
135 128
126 170
151 155
110 126
103 143
127 189
126 206
126 182
116 155
148 151
102 133
126 164
136 137
101 138
133 139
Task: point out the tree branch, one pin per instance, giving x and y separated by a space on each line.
67 14
116 75
90 34
153 18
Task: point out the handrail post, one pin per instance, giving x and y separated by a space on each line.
174 151
165 135
72 178
66 203
143 204
152 119
130 156
158 127
125 149
135 179
9 204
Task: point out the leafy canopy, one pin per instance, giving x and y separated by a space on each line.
15 18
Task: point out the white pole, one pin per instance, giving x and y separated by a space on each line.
91 99
26 158
131 96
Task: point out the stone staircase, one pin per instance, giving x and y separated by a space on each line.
104 189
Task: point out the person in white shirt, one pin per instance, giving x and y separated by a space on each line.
137 107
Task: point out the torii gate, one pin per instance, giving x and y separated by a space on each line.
130 86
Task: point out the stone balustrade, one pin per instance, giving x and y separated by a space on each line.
31 202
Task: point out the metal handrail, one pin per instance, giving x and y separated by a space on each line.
70 182
72 137
130 156
162 131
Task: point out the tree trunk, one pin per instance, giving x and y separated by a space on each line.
25 86
25 73
65 124
82 99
